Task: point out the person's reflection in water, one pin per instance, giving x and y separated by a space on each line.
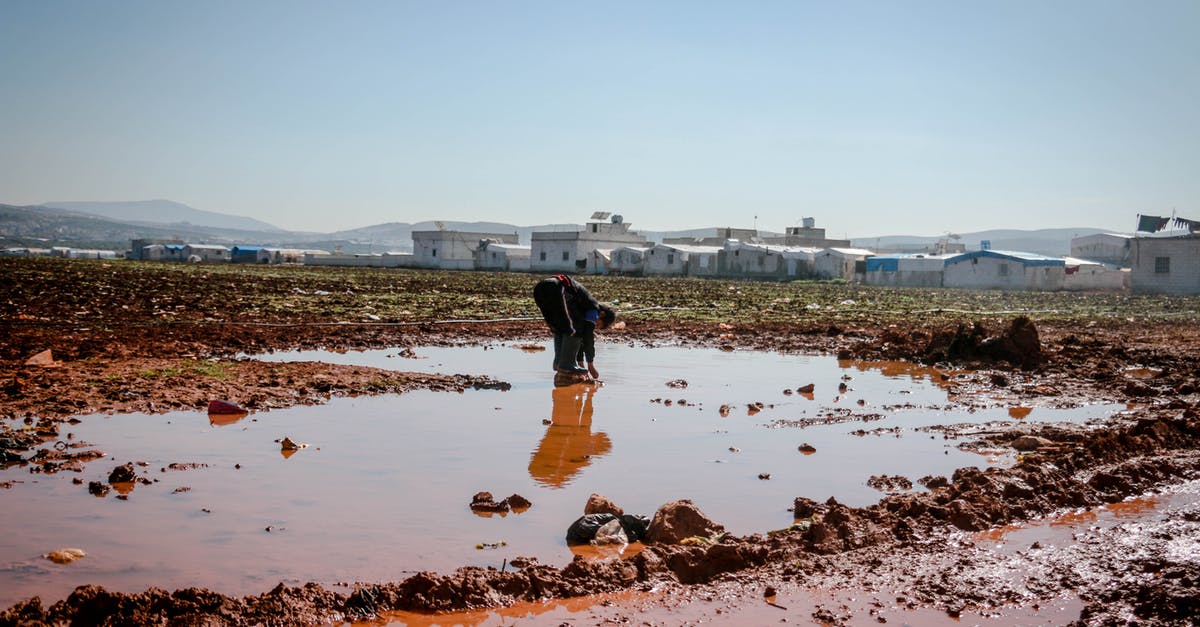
569 444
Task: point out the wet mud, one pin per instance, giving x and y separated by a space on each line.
916 540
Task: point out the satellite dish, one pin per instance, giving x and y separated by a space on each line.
601 215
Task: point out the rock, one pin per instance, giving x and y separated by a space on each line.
807 448
934 481
518 502
677 383
1030 443
98 488
65 556
122 474
599 504
806 389
611 532
679 520
484 502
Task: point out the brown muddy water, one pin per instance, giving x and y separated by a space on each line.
383 488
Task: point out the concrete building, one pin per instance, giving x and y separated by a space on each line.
1004 270
1110 248
672 259
764 261
452 250
839 263
905 270
208 253
598 261
807 236
568 251
138 246
163 252
1084 275
244 254
286 255
629 260
715 236
1165 265
495 255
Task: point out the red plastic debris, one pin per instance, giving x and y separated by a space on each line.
224 407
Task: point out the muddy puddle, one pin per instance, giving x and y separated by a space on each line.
383 487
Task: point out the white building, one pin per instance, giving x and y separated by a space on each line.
672 259
1110 248
839 263
452 250
1004 270
568 251
1165 265
286 255
495 255
906 270
598 261
1083 275
628 260
765 261
197 253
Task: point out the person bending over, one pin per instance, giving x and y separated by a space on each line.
573 316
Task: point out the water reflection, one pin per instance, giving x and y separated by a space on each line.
223 420
569 444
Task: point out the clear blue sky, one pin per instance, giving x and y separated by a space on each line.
875 118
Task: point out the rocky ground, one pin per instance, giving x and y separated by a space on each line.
155 338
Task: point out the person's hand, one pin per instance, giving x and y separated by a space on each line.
592 371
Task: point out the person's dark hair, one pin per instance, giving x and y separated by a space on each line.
607 315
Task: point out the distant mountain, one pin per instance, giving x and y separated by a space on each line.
163 212
1052 242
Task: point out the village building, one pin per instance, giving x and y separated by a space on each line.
807 236
598 261
568 251
1110 248
163 252
628 260
1165 265
673 259
197 253
764 261
905 270
496 255
83 253
137 247
840 263
1004 270
451 250
1085 275
244 254
286 255
715 236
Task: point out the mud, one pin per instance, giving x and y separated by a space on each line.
915 540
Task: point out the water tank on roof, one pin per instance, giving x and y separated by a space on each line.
617 219
808 222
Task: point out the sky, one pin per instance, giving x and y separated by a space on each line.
875 118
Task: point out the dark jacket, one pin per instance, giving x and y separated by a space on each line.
565 304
